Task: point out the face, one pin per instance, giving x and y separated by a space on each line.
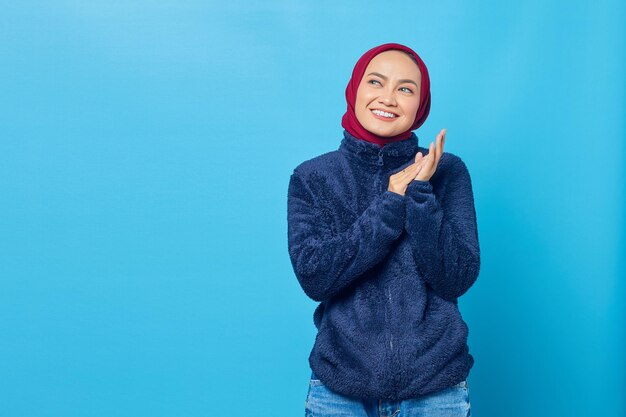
388 96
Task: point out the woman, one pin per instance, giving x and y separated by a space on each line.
382 232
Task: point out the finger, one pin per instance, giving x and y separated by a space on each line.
422 162
431 154
404 178
440 139
407 172
429 160
419 162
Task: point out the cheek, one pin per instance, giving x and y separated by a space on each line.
360 103
361 99
412 107
360 112
364 94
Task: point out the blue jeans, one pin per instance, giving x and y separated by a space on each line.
450 402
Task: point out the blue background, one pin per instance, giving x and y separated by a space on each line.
145 153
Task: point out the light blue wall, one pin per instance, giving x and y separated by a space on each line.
145 152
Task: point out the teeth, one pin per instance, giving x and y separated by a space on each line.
384 114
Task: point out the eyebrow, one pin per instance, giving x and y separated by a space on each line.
401 81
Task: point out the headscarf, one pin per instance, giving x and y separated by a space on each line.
349 120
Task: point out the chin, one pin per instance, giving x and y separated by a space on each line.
385 130
386 135
383 133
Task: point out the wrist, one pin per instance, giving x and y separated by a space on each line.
419 186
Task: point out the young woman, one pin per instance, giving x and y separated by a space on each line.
382 233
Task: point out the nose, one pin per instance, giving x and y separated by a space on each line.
388 98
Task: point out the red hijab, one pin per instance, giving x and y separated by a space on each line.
349 120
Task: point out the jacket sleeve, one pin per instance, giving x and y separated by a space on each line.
326 261
444 237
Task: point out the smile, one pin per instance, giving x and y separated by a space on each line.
380 114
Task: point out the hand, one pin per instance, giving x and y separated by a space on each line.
422 169
400 180
430 162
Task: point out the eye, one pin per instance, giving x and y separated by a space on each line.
373 81
407 89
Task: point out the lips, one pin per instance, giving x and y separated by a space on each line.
381 117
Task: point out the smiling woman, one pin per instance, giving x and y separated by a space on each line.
382 233
386 63
386 105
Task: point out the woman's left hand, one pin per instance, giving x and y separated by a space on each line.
430 162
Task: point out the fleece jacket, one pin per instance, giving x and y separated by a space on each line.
387 269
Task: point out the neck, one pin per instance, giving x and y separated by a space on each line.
391 154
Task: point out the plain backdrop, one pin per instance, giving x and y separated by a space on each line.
145 153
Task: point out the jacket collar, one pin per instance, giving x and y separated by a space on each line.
392 154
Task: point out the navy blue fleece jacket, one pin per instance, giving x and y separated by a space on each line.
386 269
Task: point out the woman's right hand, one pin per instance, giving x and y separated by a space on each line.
400 180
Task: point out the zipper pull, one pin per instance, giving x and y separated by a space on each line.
380 157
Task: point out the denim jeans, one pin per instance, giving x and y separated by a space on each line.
450 402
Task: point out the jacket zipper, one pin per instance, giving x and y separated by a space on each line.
390 334
381 188
380 163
